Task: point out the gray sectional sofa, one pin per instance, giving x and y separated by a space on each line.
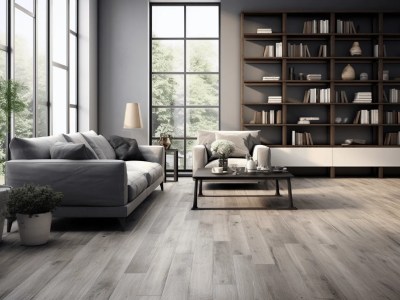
102 187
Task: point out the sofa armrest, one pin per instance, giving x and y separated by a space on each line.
262 154
83 182
153 153
199 157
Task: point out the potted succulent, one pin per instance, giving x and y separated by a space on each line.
32 205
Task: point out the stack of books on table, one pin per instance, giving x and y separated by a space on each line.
264 30
266 78
314 77
363 97
274 99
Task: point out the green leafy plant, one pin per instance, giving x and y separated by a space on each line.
12 99
165 130
33 199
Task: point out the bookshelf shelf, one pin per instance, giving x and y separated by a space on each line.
302 43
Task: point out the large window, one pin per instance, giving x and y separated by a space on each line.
64 66
184 74
26 36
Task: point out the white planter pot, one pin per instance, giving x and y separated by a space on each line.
34 230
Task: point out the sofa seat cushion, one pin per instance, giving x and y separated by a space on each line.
137 183
33 148
152 171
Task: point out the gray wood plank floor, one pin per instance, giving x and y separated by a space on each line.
342 243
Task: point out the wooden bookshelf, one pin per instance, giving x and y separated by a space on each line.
378 34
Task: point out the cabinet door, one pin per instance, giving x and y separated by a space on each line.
366 157
301 157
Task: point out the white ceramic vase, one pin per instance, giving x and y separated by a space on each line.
34 230
348 73
355 50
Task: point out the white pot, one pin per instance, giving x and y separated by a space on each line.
34 230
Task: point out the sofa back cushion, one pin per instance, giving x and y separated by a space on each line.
33 148
71 151
77 138
244 140
100 145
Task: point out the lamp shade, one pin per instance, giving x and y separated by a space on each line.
133 117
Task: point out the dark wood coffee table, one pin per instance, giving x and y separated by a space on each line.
206 174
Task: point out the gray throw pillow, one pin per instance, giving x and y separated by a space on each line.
126 148
33 148
100 145
71 151
78 138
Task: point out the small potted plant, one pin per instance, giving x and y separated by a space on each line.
32 205
223 149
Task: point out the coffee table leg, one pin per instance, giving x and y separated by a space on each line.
195 194
289 186
201 188
277 193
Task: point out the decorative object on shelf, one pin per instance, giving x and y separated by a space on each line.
354 142
364 76
385 75
222 148
32 205
355 50
291 73
348 73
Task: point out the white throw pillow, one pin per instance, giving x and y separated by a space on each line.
240 139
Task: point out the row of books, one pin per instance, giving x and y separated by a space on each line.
316 95
273 50
298 50
362 97
345 27
316 26
301 138
392 138
365 116
392 117
341 97
394 96
267 117
274 99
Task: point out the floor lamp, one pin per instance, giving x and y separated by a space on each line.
133 116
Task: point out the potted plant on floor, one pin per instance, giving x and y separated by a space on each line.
32 205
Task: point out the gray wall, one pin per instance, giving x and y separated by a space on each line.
124 53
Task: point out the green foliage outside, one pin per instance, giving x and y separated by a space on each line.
32 199
12 100
202 89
